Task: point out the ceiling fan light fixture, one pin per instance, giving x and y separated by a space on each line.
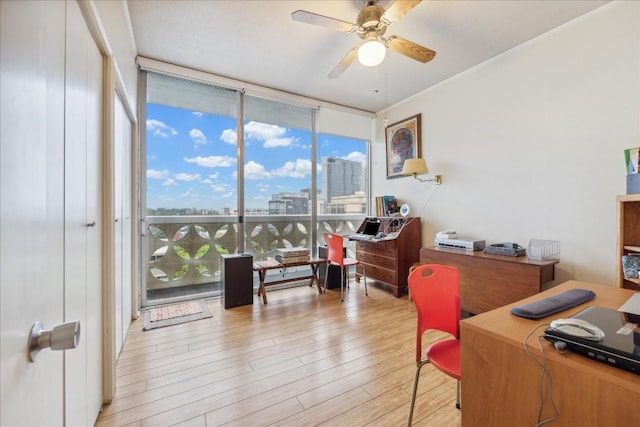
371 26
371 52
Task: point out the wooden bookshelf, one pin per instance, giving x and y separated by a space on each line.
628 236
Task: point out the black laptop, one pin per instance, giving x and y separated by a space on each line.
371 228
620 346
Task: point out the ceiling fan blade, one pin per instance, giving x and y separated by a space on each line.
323 21
344 63
397 10
410 49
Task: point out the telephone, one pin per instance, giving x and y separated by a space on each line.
506 248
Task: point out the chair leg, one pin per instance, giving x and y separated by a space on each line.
364 276
326 275
458 394
415 389
341 284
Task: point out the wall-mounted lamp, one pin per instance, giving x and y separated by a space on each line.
417 167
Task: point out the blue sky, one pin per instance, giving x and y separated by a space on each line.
192 159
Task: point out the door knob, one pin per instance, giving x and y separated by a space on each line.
61 337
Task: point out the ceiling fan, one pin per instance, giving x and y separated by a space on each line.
372 23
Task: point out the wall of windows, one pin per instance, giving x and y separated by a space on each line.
228 172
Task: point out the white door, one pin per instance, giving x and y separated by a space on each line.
93 336
124 288
32 52
117 237
83 366
49 258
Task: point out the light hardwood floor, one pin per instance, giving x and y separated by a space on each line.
301 360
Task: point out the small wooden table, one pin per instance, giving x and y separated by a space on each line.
261 267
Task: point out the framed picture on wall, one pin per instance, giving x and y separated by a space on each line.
402 143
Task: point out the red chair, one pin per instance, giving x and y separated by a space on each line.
335 256
435 290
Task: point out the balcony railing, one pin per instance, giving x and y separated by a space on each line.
185 250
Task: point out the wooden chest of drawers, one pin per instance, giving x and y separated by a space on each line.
388 260
491 281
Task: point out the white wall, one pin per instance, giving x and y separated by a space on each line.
116 24
530 144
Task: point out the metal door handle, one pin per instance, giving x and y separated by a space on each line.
61 337
91 224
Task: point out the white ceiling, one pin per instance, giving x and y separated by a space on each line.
257 42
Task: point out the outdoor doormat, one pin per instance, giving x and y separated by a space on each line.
175 314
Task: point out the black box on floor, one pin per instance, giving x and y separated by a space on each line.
236 280
333 281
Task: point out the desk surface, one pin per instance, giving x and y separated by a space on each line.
495 367
494 257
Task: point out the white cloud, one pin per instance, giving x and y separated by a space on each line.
219 188
253 170
197 136
263 131
212 161
169 182
272 135
230 136
357 156
187 176
207 181
278 142
160 129
298 169
156 174
228 195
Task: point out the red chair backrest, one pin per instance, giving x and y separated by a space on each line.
335 253
435 290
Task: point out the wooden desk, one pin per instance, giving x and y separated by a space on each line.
388 259
490 281
261 267
500 383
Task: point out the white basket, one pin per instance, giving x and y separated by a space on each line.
543 249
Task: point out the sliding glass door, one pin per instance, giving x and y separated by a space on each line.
191 203
278 171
